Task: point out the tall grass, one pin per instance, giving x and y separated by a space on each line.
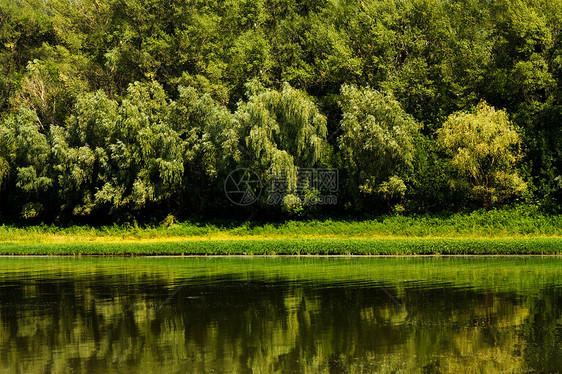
510 222
297 247
511 230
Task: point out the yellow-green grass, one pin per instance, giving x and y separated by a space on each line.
343 246
509 231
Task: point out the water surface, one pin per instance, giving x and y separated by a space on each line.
279 314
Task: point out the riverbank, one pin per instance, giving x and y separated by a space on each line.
508 231
320 246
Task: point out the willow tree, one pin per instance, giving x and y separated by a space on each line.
25 147
484 148
377 142
144 162
210 145
80 150
281 131
118 157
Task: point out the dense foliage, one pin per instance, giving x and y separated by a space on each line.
135 108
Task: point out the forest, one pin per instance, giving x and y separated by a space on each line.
116 110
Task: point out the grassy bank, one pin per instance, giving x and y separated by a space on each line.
414 246
508 231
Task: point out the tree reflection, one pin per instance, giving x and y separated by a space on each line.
96 322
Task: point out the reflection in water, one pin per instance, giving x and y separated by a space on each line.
284 315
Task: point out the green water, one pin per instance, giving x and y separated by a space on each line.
279 314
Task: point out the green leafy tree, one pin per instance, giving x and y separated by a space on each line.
123 157
143 165
24 29
377 142
26 150
81 148
484 149
281 131
209 136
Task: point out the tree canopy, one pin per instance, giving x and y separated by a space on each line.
134 108
484 149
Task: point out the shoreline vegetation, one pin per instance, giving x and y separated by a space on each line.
506 231
134 109
297 247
